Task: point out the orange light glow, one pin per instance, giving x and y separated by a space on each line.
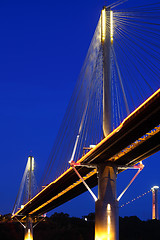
104 236
105 231
28 235
108 221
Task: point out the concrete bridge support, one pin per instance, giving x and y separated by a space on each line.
106 207
28 235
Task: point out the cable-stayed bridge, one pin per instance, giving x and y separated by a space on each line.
99 134
114 148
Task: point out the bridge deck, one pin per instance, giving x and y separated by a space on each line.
137 137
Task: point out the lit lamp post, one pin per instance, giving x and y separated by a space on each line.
155 202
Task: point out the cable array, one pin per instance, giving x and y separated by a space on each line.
135 75
83 118
135 58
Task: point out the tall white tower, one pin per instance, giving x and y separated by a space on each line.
29 224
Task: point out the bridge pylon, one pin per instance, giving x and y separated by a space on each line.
29 222
106 207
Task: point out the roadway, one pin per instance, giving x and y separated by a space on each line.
137 137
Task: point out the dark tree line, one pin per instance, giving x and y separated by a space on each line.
62 227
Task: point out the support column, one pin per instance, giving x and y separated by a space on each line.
28 235
106 207
155 202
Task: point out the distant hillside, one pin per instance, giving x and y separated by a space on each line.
62 227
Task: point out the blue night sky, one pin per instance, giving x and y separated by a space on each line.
42 48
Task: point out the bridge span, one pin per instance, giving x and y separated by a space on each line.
135 139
